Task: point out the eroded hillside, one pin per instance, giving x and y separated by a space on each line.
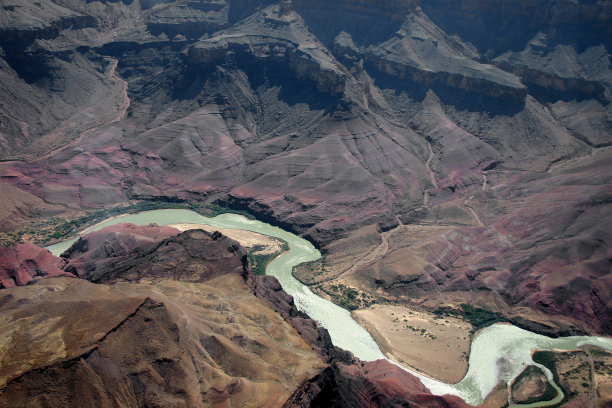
439 153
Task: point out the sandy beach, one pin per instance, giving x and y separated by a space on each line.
437 348
248 239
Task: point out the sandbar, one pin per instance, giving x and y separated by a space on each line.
437 348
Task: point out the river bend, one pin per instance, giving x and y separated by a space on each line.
498 353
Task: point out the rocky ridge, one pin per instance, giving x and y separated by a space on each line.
21 264
317 117
208 339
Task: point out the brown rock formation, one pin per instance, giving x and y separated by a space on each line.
103 250
121 253
275 37
179 326
187 332
328 118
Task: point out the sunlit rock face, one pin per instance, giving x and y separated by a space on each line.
173 320
490 120
167 318
21 264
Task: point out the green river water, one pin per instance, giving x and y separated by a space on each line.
498 353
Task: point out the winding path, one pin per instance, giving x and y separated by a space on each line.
380 251
466 203
431 173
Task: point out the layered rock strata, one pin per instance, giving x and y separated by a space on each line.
188 331
317 117
178 326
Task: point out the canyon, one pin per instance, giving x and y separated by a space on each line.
165 318
439 154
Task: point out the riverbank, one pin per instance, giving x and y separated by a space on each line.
261 244
437 347
488 345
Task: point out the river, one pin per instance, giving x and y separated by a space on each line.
498 353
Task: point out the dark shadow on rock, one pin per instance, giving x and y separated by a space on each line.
190 81
549 95
31 67
583 23
461 99
416 90
293 90
367 22
478 102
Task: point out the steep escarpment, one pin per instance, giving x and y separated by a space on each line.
274 37
420 52
159 338
193 327
371 384
317 117
510 23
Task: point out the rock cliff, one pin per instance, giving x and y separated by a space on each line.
21 264
372 384
489 120
189 331
184 322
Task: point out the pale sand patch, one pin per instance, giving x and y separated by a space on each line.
265 244
398 330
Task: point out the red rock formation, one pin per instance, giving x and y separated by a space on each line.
128 252
112 245
376 384
24 262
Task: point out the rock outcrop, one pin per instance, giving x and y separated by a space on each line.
328 118
274 37
189 19
21 264
99 252
108 256
422 53
372 384
189 331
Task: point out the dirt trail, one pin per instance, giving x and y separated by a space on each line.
380 251
124 95
593 396
466 203
431 173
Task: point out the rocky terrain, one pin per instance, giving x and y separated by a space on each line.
164 318
179 326
21 264
583 375
439 153
372 384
